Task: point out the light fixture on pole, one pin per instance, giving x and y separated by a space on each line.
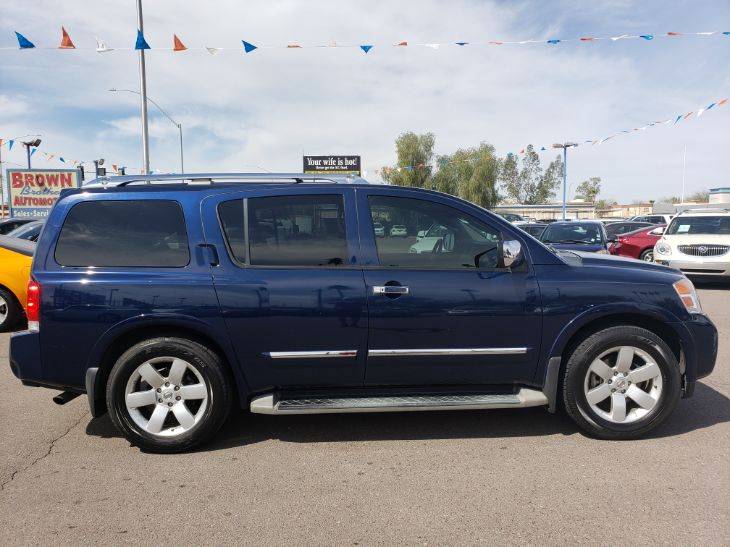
565 147
31 144
178 125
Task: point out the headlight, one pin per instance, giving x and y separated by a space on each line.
663 248
688 295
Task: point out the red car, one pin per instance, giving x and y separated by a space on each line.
638 244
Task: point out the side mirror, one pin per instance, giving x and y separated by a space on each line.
421 234
510 254
658 231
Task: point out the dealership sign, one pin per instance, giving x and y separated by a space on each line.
32 192
332 165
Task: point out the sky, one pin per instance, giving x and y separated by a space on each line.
264 110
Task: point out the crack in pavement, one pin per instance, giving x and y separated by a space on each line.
51 446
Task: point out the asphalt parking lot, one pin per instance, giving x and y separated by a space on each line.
487 477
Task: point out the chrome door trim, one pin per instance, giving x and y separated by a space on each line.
311 354
445 352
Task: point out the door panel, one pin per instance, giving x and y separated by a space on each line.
456 323
291 292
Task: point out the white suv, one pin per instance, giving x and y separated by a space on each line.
697 242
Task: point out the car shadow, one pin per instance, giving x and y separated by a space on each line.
710 284
706 408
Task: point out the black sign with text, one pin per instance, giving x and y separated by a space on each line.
332 165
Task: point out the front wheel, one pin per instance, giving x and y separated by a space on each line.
621 383
647 255
168 394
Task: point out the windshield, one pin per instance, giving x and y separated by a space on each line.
27 231
699 225
579 234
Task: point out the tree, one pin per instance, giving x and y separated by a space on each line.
527 183
589 189
415 154
703 196
470 173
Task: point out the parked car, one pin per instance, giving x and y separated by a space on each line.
10 224
15 259
653 219
535 229
29 231
398 230
638 244
378 229
167 304
588 236
427 240
697 242
614 229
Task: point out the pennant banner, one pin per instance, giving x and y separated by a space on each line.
248 47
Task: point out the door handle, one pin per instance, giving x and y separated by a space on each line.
211 252
388 290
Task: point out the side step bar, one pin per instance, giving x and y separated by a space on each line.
269 404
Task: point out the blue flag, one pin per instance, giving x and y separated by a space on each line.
11 142
247 47
647 36
23 42
141 42
366 48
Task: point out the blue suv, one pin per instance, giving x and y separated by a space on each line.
170 299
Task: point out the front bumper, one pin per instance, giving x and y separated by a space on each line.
695 267
699 344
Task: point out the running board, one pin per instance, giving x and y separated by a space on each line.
268 404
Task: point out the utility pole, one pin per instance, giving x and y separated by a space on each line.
565 147
684 170
143 96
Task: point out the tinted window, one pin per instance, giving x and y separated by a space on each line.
124 233
438 236
297 231
231 216
588 234
699 225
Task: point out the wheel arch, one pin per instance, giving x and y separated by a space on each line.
121 337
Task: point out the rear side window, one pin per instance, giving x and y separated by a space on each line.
141 233
296 231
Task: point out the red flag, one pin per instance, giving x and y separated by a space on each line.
688 115
720 103
402 43
496 43
66 42
294 46
179 46
586 39
674 33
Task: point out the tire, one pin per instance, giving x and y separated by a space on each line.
647 255
604 370
10 311
168 395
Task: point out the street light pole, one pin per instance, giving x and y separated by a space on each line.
178 125
565 147
143 96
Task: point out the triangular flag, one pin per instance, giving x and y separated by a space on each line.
496 43
647 36
1 142
50 157
101 47
700 111
614 38
248 47
66 42
178 45
587 39
726 33
711 106
60 158
366 48
674 33
23 42
402 44
688 115
141 42
33 151
115 168
720 103
294 46
213 50
11 142
678 118
462 43
553 41
432 46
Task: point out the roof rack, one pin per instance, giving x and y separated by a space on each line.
705 210
221 178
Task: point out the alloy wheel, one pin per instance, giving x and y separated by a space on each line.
623 384
166 396
4 311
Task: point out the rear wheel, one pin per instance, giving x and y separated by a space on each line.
647 255
621 383
168 394
10 311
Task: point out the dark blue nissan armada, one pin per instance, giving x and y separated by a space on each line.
169 299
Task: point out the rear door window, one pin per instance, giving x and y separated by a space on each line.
134 233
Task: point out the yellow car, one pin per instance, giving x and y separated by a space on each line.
16 256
